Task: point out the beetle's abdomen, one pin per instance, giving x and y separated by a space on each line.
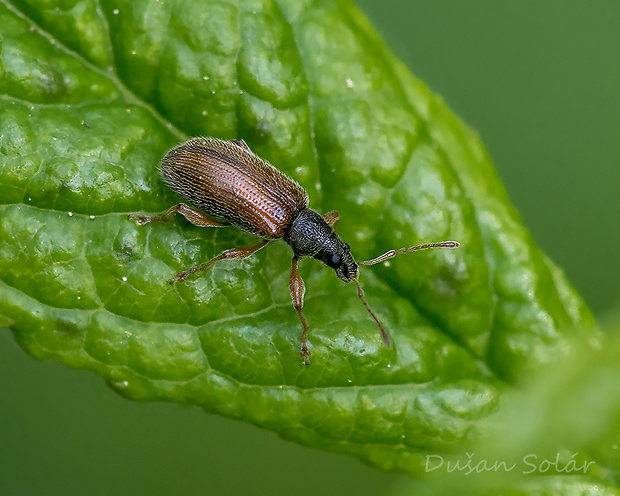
228 181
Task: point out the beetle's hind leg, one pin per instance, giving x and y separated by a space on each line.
196 217
233 253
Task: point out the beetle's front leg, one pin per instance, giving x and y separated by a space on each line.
298 289
332 217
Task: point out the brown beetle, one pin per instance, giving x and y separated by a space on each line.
226 180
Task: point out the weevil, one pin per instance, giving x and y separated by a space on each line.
225 184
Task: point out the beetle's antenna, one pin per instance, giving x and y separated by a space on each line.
360 293
389 254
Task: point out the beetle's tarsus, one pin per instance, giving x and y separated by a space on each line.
140 218
179 278
305 352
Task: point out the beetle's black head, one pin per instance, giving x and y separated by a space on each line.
309 235
338 257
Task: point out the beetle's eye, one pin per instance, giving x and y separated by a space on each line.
335 260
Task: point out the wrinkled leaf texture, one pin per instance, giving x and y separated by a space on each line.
92 94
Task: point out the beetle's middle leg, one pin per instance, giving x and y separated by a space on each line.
233 253
196 217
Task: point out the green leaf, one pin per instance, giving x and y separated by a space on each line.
92 94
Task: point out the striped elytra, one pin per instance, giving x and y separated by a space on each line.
225 183
226 180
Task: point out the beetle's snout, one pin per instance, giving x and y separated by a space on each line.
347 269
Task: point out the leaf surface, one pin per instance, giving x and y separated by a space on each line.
92 94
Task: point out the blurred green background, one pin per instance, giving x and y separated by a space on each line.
540 82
